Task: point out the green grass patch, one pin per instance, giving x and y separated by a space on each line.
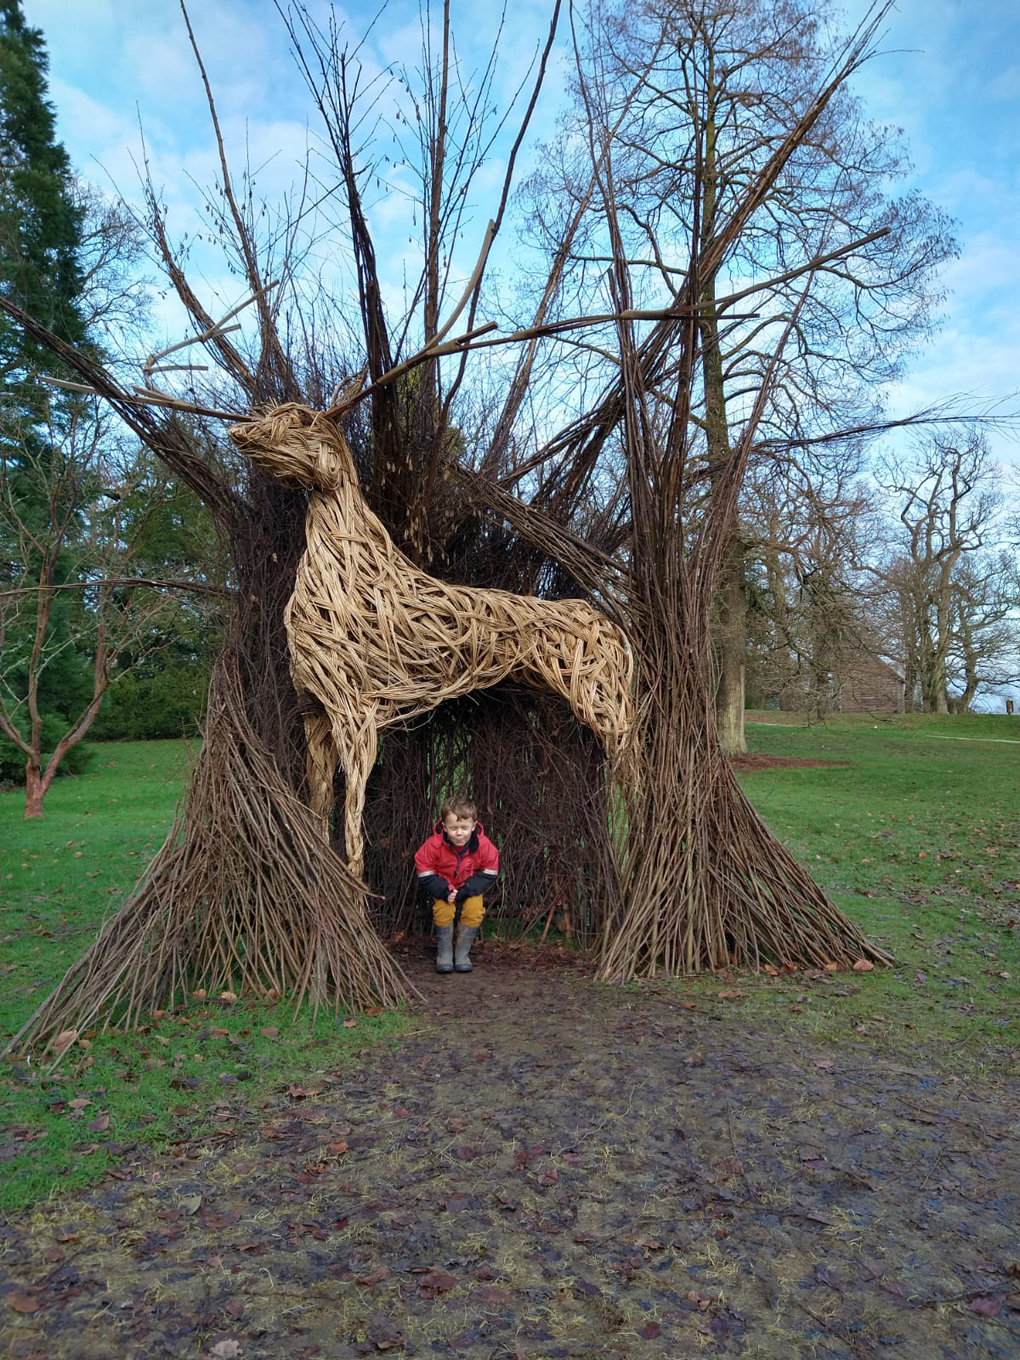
956 727
60 877
913 831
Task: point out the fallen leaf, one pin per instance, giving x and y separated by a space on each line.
730 995
270 1032
226 1349
229 998
22 1302
101 1124
437 1283
385 1337
863 966
986 1306
374 1277
63 1041
650 1331
350 1022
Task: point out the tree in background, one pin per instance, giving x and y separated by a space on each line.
41 223
69 614
66 255
704 93
809 626
949 581
160 676
40 234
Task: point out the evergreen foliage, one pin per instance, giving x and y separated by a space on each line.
40 220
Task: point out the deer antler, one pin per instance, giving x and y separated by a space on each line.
150 394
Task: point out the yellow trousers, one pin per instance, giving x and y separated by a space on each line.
472 911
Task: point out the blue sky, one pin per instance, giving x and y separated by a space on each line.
949 75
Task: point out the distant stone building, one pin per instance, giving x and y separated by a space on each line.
868 684
864 683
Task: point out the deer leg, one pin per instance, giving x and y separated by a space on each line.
357 743
321 761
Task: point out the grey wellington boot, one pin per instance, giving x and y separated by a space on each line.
444 949
465 939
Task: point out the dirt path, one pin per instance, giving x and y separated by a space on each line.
546 1168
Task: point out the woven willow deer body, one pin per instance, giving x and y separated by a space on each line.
374 640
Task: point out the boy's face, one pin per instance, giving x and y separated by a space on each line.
458 829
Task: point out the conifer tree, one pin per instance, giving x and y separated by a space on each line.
40 221
41 233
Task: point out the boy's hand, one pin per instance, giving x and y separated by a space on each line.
451 896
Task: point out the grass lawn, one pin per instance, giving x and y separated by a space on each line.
912 829
914 832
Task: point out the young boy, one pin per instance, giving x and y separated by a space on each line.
456 865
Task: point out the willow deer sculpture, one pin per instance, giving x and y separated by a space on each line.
374 640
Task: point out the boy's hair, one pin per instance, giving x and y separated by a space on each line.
458 807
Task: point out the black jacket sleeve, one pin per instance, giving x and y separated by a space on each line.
433 885
477 884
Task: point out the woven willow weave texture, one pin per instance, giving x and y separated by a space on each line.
374 640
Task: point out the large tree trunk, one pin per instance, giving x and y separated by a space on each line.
34 791
731 652
731 604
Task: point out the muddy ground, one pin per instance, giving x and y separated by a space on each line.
545 1167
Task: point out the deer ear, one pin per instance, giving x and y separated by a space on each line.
333 462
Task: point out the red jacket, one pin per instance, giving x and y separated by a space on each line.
477 861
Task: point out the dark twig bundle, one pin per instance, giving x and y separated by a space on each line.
241 899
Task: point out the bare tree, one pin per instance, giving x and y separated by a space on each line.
949 592
985 652
804 546
703 94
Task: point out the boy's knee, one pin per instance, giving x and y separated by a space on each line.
443 912
472 911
